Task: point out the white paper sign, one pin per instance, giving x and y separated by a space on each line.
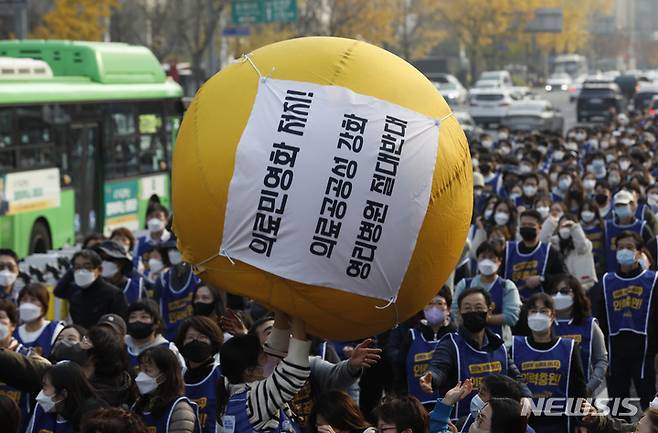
330 187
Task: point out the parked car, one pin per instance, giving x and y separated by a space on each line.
559 81
487 84
451 89
502 77
599 101
489 106
644 95
471 130
534 115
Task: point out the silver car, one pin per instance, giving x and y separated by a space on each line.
450 88
534 115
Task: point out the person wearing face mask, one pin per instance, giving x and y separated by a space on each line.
505 215
592 226
144 331
530 187
498 415
252 400
568 237
417 347
530 263
551 366
560 190
603 199
162 404
543 206
504 294
493 181
614 179
337 412
8 274
117 269
574 320
472 344
624 220
35 331
199 340
597 166
156 223
65 398
625 304
89 296
403 414
124 237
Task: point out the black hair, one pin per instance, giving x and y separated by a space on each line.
506 416
532 213
340 411
68 376
237 354
38 291
203 325
10 308
108 351
127 233
582 306
10 414
90 255
471 291
486 247
218 302
266 318
446 293
112 420
639 244
499 386
566 245
157 207
93 237
406 412
151 308
81 330
169 389
9 252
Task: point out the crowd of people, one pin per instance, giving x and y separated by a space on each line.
553 298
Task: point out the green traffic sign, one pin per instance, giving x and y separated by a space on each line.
263 11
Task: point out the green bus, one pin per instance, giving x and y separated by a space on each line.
86 137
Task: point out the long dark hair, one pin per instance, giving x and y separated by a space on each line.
582 306
566 245
218 302
112 420
108 351
542 298
340 411
169 389
506 416
68 375
237 354
10 414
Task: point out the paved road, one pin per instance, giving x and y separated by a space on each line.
561 100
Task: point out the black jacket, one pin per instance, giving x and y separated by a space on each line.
444 361
116 391
87 305
554 265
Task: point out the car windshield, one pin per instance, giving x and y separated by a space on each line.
486 83
519 120
490 97
446 86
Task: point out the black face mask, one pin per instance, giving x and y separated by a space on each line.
63 350
474 321
528 233
139 330
196 351
203 309
601 199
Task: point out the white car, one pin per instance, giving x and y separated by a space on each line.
488 107
534 115
559 81
503 77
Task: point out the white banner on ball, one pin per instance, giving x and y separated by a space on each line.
330 187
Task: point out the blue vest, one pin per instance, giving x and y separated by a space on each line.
43 343
496 292
640 212
520 266
627 302
132 357
46 422
134 289
418 362
161 425
495 183
596 235
176 305
475 364
581 334
235 419
204 394
612 230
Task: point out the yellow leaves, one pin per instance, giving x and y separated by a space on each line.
76 19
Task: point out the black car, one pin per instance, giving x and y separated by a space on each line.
599 101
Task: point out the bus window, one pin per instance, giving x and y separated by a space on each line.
7 153
121 146
35 138
152 151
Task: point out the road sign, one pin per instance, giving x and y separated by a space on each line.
236 31
546 20
263 11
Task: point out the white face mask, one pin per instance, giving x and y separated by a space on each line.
544 211
7 278
4 331
146 383
587 216
477 404
538 322
501 218
110 269
565 232
654 403
175 257
155 225
564 183
29 311
155 265
46 402
488 213
589 184
562 301
487 267
529 190
84 278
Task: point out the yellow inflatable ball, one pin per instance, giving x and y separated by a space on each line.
324 177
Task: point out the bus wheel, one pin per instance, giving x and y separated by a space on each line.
40 238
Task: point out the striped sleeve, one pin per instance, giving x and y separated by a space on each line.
268 396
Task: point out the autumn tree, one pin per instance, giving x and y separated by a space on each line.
417 28
76 19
